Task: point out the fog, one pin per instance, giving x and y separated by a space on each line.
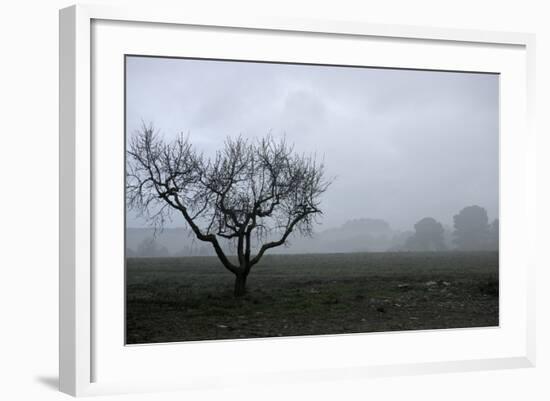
401 145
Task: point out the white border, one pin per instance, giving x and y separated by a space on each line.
76 206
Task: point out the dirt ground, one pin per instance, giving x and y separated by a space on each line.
188 299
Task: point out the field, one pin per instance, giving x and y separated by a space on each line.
186 299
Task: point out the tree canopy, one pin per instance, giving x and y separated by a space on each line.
428 236
472 229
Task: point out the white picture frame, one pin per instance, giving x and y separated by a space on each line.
79 344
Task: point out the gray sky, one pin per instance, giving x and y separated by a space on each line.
402 144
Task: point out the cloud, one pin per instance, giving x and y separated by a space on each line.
403 144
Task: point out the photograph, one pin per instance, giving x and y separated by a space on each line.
274 199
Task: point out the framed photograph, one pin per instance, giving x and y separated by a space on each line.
272 201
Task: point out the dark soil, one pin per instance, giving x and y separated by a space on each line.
187 299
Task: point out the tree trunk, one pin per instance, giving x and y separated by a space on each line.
240 285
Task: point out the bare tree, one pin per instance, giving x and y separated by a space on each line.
253 193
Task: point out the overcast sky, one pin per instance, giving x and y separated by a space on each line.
401 144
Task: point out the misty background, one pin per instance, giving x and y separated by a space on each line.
401 145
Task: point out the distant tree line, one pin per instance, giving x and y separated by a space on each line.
150 247
472 232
